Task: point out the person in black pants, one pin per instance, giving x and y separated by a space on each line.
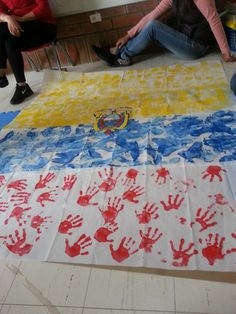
22 28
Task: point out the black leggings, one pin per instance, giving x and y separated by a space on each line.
35 34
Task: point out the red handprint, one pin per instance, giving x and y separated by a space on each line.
112 210
43 181
38 222
70 223
18 185
124 250
17 244
130 177
149 240
3 206
109 182
218 200
149 212
69 182
212 172
213 251
78 248
102 234
20 198
204 220
2 181
182 254
17 213
84 199
172 204
132 193
46 197
162 175
234 249
184 186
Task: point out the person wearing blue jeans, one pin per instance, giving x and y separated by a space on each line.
233 83
196 25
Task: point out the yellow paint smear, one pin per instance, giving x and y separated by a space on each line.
72 98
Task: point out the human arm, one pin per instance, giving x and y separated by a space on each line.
39 10
160 9
13 26
208 9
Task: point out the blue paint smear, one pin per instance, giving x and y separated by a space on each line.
161 140
7 117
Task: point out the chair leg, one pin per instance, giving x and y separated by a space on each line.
56 56
69 59
31 62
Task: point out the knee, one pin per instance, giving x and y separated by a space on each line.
152 25
233 83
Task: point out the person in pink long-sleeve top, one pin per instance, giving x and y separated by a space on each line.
195 26
24 24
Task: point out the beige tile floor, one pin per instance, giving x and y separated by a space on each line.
50 288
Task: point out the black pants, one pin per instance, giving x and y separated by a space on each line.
35 34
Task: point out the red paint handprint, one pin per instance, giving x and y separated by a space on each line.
162 175
113 208
20 198
2 181
3 207
84 199
70 223
172 204
181 254
46 197
17 244
124 250
102 234
109 182
18 185
149 240
213 251
218 200
185 186
133 193
43 181
38 222
204 219
130 177
69 182
234 249
17 213
212 172
78 248
149 212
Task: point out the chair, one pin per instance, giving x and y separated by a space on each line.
53 44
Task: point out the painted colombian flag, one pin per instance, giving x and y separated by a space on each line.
133 168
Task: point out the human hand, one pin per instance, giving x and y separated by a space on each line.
13 26
122 41
229 58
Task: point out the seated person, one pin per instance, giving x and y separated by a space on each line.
233 83
24 25
196 24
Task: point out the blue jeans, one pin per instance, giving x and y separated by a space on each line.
162 34
233 83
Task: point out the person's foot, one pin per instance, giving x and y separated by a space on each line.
3 81
111 59
21 93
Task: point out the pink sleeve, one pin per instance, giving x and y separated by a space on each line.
41 9
208 9
161 8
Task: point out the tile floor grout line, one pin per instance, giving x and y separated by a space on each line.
87 290
174 295
9 288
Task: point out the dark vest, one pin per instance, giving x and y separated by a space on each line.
192 23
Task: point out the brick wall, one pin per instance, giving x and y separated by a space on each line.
77 34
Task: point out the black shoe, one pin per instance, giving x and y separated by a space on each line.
3 81
21 93
120 62
104 54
